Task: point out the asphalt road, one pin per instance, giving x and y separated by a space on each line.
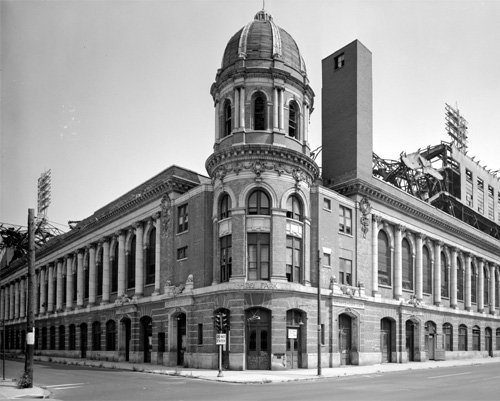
480 382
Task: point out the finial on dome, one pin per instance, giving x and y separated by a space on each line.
263 15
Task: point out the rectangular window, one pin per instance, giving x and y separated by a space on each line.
480 196
498 207
293 259
323 334
339 61
345 271
200 333
345 220
182 218
161 341
225 258
469 188
182 253
491 203
460 284
327 204
327 259
258 256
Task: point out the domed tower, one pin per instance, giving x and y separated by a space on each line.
261 166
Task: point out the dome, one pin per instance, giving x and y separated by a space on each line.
262 40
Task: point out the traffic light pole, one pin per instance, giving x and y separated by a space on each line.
220 361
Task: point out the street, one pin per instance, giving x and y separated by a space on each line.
65 382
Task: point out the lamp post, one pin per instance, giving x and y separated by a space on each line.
319 313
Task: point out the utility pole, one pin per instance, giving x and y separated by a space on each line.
30 321
319 313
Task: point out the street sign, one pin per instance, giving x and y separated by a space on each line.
30 338
292 333
220 339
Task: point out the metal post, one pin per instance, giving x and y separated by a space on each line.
220 361
3 346
30 321
319 313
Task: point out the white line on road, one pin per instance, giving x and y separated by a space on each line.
454 374
65 388
63 385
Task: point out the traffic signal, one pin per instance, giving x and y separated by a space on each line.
218 322
225 322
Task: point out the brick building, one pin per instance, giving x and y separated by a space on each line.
403 276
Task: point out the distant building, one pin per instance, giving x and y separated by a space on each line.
408 252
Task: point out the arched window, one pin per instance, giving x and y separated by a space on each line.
293 120
476 338
445 280
427 270
462 338
497 339
448 336
228 125
258 203
96 336
407 265
225 207
384 259
294 208
259 113
151 257
110 335
99 273
131 264
62 337
486 287
460 281
114 267
473 283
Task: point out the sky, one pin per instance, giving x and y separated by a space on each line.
106 94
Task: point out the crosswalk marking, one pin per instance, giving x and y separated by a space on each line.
453 374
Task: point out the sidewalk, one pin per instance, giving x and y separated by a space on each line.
8 389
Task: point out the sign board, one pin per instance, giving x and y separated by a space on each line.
292 333
220 339
30 338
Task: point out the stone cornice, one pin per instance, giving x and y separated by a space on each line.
361 187
262 158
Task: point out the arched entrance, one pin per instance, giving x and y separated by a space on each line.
387 338
295 324
430 339
345 338
488 343
125 337
181 338
258 338
83 340
411 338
146 337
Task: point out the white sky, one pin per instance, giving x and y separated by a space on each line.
109 93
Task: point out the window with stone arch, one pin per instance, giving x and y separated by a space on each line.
407 265
224 207
445 276
259 112
384 259
293 120
460 280
294 209
150 264
448 337
473 283
228 119
426 270
258 203
476 338
497 339
486 286
114 267
110 335
462 338
130 268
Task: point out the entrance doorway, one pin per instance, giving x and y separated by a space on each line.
430 340
125 336
410 340
386 326
181 338
146 336
345 336
83 340
258 339
295 322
